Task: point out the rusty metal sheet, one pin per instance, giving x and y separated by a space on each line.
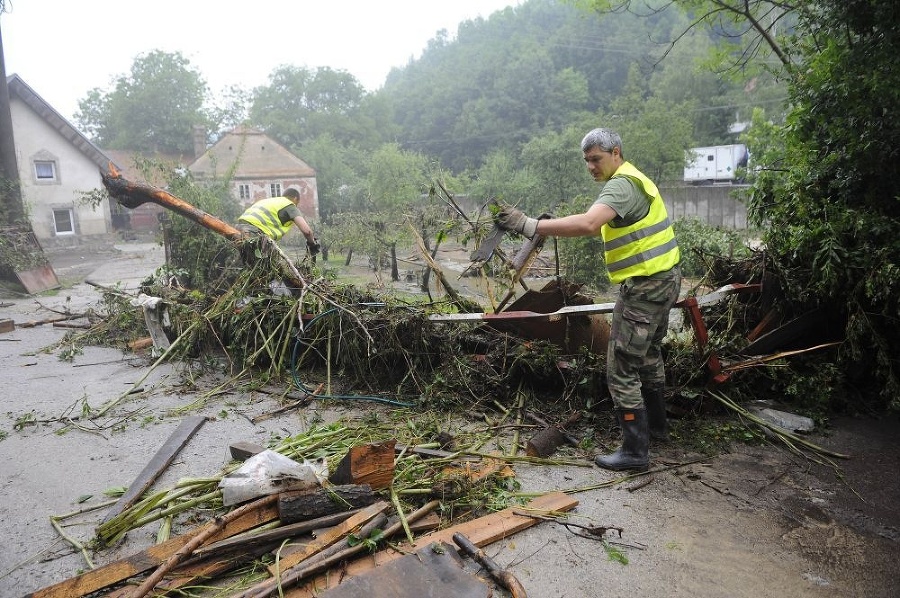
434 571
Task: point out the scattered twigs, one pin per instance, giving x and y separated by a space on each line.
593 532
791 440
632 476
160 360
433 265
296 404
503 577
53 320
519 415
56 522
638 485
400 515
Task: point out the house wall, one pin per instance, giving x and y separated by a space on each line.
35 139
259 189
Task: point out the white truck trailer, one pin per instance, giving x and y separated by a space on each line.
715 164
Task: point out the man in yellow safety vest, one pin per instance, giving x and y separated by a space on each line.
642 256
274 217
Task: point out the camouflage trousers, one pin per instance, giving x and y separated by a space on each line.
640 322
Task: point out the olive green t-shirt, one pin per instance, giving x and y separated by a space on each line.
288 213
627 199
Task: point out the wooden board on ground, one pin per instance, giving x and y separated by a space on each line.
482 532
122 569
328 538
38 280
32 268
435 571
160 461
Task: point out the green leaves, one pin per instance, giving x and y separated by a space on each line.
152 109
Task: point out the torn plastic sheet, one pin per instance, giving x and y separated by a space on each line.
269 472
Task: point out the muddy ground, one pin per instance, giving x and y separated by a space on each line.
756 522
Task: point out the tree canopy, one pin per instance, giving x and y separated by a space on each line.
152 109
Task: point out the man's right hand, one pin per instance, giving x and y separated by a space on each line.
313 247
515 220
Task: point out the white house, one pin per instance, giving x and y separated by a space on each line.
57 165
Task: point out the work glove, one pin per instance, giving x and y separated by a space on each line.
515 220
313 247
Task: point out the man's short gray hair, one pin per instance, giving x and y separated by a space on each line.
605 139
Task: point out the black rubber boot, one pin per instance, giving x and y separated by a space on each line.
633 454
655 404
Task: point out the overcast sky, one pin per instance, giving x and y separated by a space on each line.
64 48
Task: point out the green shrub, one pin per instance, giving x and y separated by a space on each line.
700 241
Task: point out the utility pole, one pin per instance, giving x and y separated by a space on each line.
12 210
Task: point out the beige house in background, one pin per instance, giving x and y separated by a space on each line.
261 168
57 164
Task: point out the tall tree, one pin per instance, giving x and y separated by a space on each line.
830 199
299 104
825 188
152 109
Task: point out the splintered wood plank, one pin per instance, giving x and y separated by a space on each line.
371 464
161 460
191 574
482 532
102 577
331 536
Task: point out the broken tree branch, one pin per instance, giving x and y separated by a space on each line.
196 542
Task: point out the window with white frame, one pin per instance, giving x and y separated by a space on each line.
45 171
244 191
275 189
63 221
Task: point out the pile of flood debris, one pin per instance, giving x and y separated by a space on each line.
341 510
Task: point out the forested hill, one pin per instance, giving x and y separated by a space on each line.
546 65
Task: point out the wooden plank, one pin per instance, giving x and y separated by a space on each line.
120 570
160 461
190 574
329 537
482 532
371 464
249 547
293 530
39 279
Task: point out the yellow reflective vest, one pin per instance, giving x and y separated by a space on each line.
264 216
646 247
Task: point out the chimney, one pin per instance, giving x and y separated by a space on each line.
199 138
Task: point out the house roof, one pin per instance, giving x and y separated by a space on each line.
252 154
24 92
125 161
